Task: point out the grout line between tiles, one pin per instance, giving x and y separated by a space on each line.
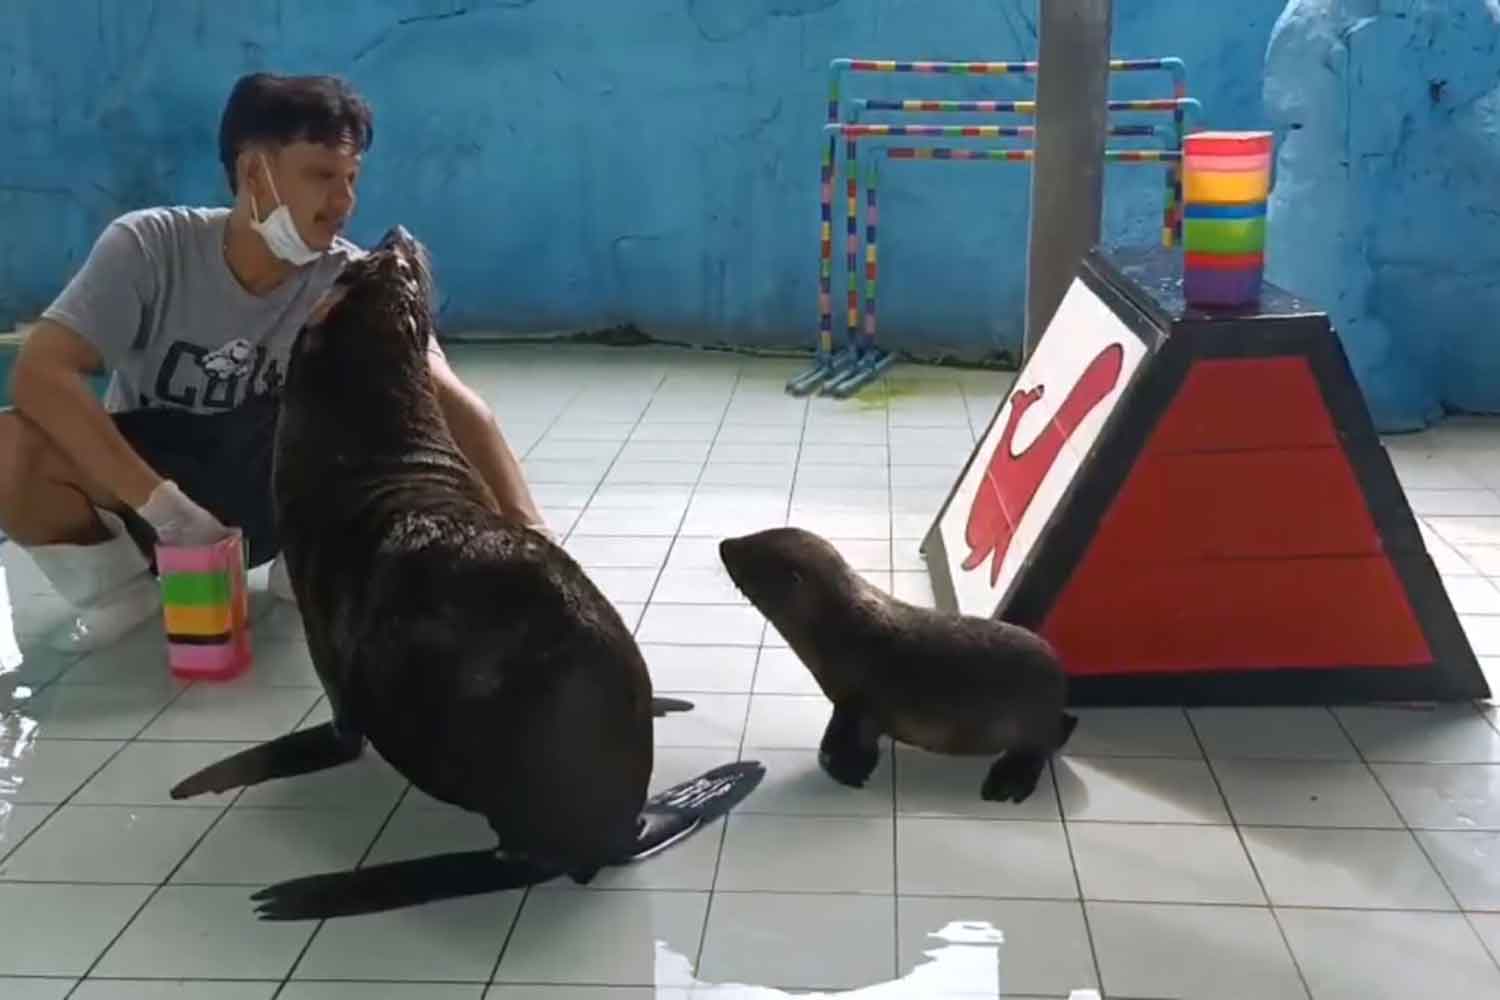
1412 833
166 879
369 849
708 907
1239 834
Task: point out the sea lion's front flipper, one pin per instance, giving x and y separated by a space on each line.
673 814
666 706
302 752
1014 776
396 885
850 749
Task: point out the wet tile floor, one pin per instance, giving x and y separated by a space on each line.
1216 854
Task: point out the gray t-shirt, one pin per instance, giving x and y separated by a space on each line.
157 300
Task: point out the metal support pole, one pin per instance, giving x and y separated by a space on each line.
1067 176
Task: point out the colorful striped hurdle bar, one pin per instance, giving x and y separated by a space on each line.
870 359
860 361
827 364
1186 110
206 605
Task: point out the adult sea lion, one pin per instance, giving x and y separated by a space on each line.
473 653
946 683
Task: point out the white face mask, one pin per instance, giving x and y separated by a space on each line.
278 229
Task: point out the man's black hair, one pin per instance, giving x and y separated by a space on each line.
267 108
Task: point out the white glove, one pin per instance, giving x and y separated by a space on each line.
177 520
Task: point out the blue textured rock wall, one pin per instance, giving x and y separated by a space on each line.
1386 206
581 163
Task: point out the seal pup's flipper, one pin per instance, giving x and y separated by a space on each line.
666 706
316 748
675 813
1014 776
850 749
396 885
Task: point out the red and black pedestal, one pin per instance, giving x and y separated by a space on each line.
1195 508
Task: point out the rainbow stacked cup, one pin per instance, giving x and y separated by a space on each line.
1226 180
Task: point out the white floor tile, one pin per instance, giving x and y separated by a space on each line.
1304 793
624 586
717 720
121 844
951 947
719 669
1157 863
1272 733
611 551
59 930
701 625
763 939
781 671
260 846
789 722
807 854
605 937
1444 796
1138 790
304 990
168 989
1399 955
1447 734
1469 862
96 711
455 940
1223 952
1361 869
1132 732
698 586
47 772
30 988
17 823
204 932
795 785
963 857
143 774
937 785
233 711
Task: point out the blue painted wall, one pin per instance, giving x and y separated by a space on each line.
1387 200
576 164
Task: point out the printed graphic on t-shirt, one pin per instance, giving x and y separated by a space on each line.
193 376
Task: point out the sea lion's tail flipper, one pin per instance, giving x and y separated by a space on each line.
674 814
302 752
666 706
395 885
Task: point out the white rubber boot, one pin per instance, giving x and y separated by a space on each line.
109 584
280 581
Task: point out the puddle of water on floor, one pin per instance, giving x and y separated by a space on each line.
10 647
967 965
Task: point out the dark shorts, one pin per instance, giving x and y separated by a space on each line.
222 461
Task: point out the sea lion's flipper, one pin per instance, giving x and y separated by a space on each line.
1068 724
675 813
1014 776
316 748
395 885
666 706
851 746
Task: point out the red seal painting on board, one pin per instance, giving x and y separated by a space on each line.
1011 480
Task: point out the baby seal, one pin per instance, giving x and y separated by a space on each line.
945 683
473 653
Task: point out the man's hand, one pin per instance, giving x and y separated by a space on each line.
179 521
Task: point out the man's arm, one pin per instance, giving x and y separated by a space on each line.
49 389
478 436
